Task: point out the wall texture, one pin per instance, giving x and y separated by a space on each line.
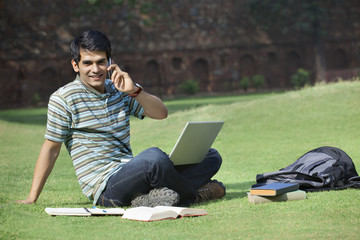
213 42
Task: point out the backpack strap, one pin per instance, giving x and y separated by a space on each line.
304 180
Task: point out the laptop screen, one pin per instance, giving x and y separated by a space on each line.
194 142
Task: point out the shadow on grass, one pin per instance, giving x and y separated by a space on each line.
76 204
35 116
181 104
237 190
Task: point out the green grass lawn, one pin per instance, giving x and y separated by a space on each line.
262 133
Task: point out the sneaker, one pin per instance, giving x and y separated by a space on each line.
210 191
157 197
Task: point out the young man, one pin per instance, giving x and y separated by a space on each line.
91 117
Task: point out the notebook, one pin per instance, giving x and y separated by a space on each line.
194 142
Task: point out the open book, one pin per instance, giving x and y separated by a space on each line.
84 211
161 213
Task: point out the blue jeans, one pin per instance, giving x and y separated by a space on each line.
151 169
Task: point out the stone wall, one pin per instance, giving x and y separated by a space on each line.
210 41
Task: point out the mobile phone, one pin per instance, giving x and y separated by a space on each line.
109 72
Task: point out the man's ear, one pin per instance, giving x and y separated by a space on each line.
74 65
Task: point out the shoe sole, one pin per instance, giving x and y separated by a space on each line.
157 197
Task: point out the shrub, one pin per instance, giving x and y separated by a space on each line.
258 81
190 86
35 99
300 79
244 83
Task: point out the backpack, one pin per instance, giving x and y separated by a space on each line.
324 168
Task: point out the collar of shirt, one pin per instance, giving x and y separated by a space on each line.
109 88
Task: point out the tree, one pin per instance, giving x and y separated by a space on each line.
308 17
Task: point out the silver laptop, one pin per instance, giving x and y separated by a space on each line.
194 142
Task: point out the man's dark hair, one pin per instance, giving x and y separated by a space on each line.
91 41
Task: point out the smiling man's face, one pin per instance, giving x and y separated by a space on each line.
92 68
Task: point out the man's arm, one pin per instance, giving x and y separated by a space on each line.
44 165
153 106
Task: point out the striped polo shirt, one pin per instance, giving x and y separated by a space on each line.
95 129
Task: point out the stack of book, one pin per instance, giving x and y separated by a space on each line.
276 192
